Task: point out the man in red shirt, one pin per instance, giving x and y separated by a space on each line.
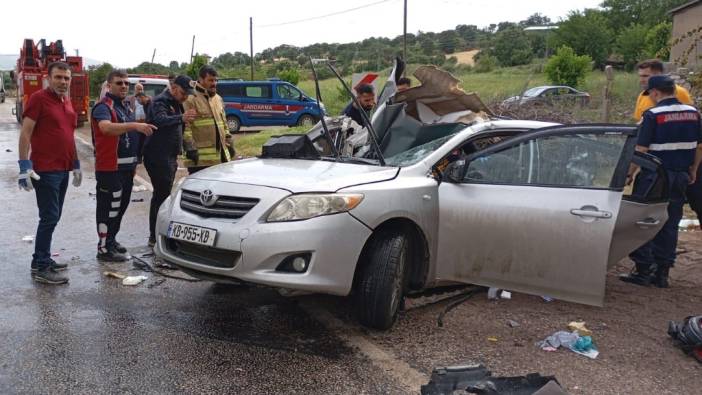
47 128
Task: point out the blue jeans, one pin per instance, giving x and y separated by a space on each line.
50 191
660 251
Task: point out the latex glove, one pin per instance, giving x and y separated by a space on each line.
192 155
77 173
26 172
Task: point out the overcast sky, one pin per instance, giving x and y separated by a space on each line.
126 35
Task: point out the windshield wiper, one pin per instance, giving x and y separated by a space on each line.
364 116
318 94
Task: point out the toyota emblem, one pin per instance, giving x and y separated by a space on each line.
207 198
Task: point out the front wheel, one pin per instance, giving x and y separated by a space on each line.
381 287
233 123
306 120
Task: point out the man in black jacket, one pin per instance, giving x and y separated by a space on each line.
162 148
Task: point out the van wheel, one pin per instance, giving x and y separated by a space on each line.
306 120
381 287
233 123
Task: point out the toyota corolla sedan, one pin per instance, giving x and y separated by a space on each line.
439 194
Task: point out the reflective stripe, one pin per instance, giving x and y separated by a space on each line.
113 214
123 161
204 122
116 204
117 194
672 107
672 146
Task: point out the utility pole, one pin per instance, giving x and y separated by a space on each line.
192 50
404 36
251 46
153 56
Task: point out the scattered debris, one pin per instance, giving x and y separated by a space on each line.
28 238
688 335
547 298
512 323
133 280
688 224
156 283
582 345
492 339
92 194
461 298
579 326
494 293
476 379
115 275
138 200
8 150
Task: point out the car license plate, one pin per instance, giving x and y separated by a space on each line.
191 233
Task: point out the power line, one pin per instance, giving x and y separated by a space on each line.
326 15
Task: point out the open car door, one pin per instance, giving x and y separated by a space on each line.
537 213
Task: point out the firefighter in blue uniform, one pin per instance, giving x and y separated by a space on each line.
672 132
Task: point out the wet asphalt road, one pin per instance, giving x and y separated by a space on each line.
98 336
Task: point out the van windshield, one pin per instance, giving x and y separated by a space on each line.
149 89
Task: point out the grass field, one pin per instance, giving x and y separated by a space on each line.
492 87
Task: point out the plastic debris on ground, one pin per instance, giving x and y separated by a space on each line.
492 339
579 326
134 280
582 345
547 298
512 323
28 238
688 224
495 293
688 335
476 379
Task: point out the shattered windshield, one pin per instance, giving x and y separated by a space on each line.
418 153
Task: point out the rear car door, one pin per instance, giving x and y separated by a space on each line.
257 105
537 213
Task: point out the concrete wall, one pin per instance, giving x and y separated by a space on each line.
684 21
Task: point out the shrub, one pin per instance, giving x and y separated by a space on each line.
290 75
567 68
485 64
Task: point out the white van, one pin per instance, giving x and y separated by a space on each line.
153 84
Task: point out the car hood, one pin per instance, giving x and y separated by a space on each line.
297 175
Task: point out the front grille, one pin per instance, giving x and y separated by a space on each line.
224 207
203 255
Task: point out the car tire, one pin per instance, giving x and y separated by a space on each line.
233 123
381 286
306 120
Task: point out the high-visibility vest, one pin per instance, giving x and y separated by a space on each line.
208 132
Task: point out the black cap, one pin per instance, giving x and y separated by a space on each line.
185 82
660 81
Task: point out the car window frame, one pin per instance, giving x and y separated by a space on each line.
618 180
291 88
262 86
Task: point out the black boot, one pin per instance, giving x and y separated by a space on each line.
641 276
661 278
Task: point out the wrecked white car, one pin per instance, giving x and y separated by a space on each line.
436 192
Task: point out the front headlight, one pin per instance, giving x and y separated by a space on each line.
306 206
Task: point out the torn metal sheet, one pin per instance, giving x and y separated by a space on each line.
476 379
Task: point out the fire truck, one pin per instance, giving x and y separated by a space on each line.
31 75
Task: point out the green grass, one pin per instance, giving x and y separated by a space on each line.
505 82
492 87
249 144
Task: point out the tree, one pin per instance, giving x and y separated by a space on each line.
149 68
587 33
449 41
194 67
658 40
98 75
631 44
623 13
536 20
512 47
567 68
290 75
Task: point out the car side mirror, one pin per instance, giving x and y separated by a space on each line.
455 172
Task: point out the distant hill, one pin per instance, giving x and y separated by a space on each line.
7 62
